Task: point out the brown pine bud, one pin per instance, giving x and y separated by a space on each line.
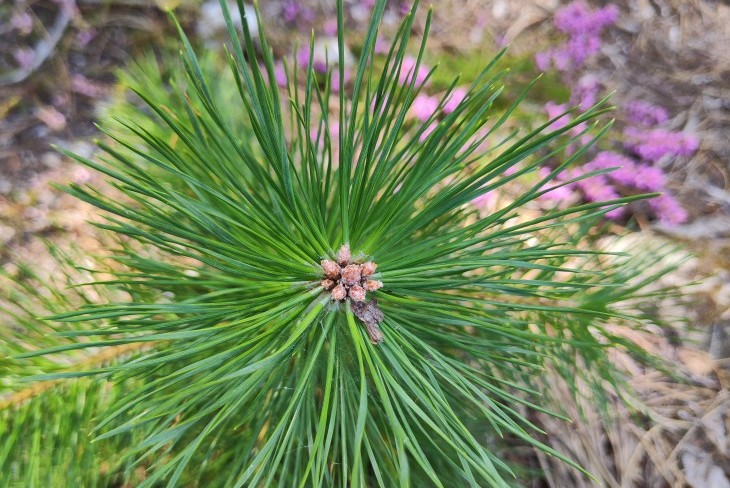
372 285
339 293
344 255
331 269
368 268
371 316
327 284
351 274
376 335
357 293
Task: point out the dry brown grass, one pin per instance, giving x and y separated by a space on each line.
678 435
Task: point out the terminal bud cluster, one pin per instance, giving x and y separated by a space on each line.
346 278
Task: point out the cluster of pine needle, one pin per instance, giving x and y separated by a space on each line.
209 349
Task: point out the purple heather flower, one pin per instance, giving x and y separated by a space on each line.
457 96
483 200
586 91
335 81
330 27
578 130
318 65
542 60
424 135
334 133
307 15
24 56
606 16
650 178
554 110
502 41
334 130
616 213
639 176
629 173
22 22
561 59
560 194
608 159
668 210
381 46
571 18
644 113
624 175
383 103
290 11
597 189
407 69
579 47
424 107
576 18
583 27
303 57
654 144
634 175
280 74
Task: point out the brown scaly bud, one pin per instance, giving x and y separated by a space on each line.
343 257
339 293
372 285
351 274
376 335
368 268
331 269
370 315
357 293
327 284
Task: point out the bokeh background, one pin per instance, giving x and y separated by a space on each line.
667 63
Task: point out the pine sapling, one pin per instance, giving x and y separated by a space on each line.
318 301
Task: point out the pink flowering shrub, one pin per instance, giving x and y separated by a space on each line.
644 113
452 102
583 28
636 162
653 144
424 107
408 69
